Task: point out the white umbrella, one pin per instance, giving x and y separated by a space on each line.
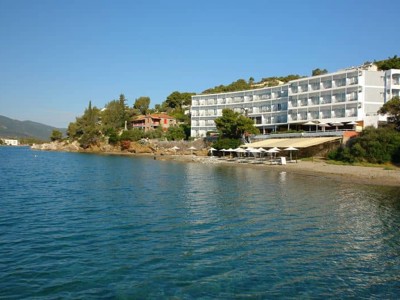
272 151
254 151
223 150
353 123
309 123
211 150
337 124
175 148
239 150
230 150
323 125
249 149
262 150
191 149
291 149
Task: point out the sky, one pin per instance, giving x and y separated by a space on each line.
57 55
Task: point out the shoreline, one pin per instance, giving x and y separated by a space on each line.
377 176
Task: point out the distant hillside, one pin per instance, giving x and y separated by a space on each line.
25 129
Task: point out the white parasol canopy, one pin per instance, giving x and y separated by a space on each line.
337 124
309 124
290 149
191 149
323 125
211 150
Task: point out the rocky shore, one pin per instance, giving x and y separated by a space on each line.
380 176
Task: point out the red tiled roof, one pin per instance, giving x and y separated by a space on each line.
164 116
153 116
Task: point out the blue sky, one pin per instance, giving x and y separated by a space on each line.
56 55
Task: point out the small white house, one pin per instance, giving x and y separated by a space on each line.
10 142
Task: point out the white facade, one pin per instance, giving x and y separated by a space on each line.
351 95
10 142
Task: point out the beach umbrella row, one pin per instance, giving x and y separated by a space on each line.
256 151
325 125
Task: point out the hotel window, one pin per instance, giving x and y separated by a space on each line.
340 97
327 84
340 82
303 101
314 100
315 86
303 87
352 80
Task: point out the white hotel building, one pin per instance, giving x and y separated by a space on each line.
350 95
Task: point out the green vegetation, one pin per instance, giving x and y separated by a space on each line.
232 127
318 71
26 130
86 129
56 135
238 85
108 124
175 133
226 143
114 115
387 64
274 81
392 109
373 145
243 85
142 105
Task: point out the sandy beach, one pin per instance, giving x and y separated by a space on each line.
381 176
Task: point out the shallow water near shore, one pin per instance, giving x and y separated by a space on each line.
117 227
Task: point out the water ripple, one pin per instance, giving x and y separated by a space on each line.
105 227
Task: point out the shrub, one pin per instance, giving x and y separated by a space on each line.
225 143
175 133
132 135
380 146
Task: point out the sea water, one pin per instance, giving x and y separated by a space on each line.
84 226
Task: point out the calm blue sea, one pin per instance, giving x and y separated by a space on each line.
82 226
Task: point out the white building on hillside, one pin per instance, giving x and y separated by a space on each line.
10 142
348 96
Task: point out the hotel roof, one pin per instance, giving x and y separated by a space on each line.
292 142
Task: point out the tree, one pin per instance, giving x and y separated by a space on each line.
238 85
56 135
177 100
392 109
373 145
142 104
234 125
319 71
86 129
390 63
175 133
115 114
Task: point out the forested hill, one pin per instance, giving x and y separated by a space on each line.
243 85
10 128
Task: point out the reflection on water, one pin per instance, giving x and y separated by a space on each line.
87 226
